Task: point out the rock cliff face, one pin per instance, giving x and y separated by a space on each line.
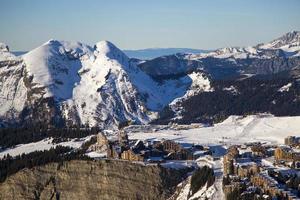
105 179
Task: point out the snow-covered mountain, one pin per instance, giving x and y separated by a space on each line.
244 80
70 83
279 55
288 45
157 52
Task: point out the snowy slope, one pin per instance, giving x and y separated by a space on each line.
42 145
76 75
90 85
54 66
234 130
5 54
12 87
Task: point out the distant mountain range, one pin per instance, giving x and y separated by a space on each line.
69 83
19 53
146 54
279 55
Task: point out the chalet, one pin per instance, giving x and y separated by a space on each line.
292 140
228 165
259 150
271 186
182 154
102 143
131 155
171 146
286 154
244 167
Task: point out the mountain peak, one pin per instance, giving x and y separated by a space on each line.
104 44
52 41
292 34
108 49
289 39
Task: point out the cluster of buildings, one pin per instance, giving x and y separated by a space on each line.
149 151
260 171
287 155
250 171
292 141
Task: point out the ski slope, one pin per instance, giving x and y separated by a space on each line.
234 130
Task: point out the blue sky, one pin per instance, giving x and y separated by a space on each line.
136 24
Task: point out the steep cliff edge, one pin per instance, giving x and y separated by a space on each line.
105 179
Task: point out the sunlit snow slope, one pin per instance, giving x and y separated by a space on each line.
234 130
73 83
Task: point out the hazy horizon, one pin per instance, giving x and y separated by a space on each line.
134 24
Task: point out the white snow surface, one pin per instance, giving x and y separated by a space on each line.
54 65
234 130
231 89
45 144
285 88
5 54
94 154
12 88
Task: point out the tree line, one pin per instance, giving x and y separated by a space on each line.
251 96
10 165
14 136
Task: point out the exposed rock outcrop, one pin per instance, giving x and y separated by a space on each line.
105 179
